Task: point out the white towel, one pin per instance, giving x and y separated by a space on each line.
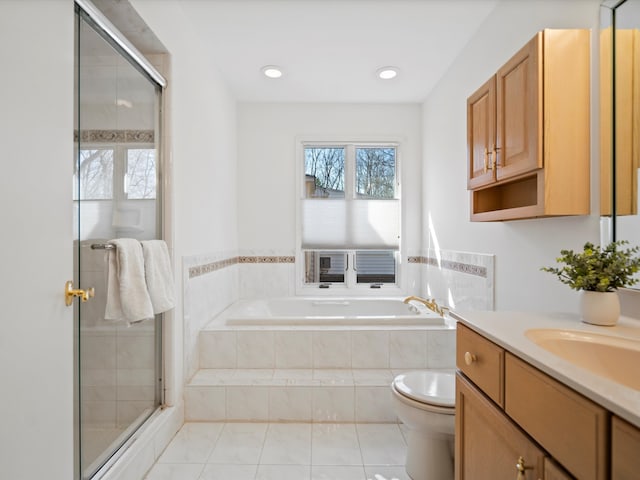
159 275
127 295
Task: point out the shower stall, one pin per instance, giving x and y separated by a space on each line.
116 194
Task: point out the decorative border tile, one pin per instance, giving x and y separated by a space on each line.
267 259
476 270
199 270
115 136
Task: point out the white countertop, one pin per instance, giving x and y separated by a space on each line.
507 329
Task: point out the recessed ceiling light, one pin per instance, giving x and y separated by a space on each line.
272 71
387 73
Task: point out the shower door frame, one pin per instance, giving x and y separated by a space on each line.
87 12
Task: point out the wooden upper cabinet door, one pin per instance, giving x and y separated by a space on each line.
481 120
519 112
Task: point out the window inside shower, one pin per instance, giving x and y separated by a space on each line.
116 194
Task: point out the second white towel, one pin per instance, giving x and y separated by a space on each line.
159 275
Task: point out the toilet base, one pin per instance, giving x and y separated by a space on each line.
429 457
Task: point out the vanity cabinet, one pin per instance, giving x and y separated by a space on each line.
625 450
488 444
536 428
528 140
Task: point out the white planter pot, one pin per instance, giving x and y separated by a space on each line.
599 308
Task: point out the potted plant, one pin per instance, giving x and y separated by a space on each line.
598 273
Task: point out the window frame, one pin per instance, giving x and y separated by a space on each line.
350 287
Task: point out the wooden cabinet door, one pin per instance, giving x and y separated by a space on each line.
553 471
488 444
625 449
569 426
481 121
519 112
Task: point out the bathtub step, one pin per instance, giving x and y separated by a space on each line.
301 395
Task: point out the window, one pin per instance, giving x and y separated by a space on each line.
96 174
140 179
116 172
350 215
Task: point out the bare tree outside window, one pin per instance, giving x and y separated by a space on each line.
375 172
141 173
96 174
324 170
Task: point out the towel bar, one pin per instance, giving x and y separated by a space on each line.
103 246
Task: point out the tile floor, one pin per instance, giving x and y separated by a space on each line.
284 451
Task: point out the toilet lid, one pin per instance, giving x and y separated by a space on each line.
435 388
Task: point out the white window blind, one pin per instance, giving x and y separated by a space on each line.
350 224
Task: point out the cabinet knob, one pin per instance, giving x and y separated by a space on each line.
469 358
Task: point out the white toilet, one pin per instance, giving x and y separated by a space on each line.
425 402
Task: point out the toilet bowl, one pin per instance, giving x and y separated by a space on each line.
425 402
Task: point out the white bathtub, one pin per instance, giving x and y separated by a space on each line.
327 312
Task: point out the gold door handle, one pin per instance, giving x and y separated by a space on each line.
469 358
521 468
70 293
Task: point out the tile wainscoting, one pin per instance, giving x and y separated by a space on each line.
210 284
463 280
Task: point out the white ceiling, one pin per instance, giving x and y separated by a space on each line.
331 49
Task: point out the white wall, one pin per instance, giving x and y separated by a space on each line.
203 153
36 138
267 163
521 247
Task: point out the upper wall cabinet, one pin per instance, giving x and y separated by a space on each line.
528 132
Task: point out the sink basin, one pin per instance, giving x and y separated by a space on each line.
611 357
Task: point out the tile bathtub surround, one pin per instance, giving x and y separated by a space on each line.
466 279
213 281
343 347
199 304
339 374
295 451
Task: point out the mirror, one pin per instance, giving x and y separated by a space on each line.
620 117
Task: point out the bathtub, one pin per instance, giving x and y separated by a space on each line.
312 312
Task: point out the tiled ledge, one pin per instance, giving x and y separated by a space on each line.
301 395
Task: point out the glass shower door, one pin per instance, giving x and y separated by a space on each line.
116 194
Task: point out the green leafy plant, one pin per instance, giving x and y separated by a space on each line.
598 270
